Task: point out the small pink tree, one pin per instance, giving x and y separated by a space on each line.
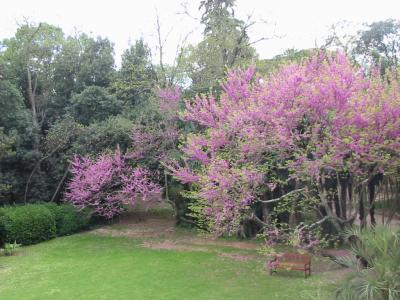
107 183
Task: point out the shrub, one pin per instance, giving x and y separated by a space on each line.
69 219
375 262
27 224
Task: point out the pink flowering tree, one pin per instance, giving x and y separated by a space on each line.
228 160
156 138
155 142
343 129
108 183
322 122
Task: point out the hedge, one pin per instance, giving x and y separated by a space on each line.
69 219
27 224
34 223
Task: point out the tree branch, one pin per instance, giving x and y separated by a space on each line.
60 183
160 45
36 167
257 220
282 197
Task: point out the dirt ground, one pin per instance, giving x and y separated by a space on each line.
381 217
160 232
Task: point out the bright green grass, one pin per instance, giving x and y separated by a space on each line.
86 266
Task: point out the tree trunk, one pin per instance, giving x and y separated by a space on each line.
32 98
342 193
324 202
60 184
371 191
32 101
361 207
37 167
265 212
336 202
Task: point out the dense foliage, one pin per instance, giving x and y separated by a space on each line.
375 264
33 223
28 224
69 219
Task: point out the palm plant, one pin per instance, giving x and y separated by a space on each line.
375 262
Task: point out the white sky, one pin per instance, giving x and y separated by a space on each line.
301 24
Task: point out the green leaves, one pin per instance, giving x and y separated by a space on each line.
375 262
94 104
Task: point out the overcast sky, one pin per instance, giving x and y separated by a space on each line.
299 24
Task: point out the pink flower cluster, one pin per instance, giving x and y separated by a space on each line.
169 99
107 183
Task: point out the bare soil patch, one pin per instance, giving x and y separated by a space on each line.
214 242
237 257
134 225
141 226
173 245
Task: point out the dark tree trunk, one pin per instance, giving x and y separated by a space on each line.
266 213
350 190
60 184
371 191
361 208
337 205
343 182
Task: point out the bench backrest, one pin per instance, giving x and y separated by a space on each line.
294 257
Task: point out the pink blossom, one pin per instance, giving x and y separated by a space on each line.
105 184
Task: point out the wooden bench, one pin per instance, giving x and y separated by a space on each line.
291 261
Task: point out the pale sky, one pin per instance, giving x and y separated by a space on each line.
300 24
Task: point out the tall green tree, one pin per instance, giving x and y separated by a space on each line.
96 62
16 139
136 77
225 45
82 62
379 44
31 53
94 104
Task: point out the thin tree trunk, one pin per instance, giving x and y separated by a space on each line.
35 168
265 212
161 51
342 193
371 191
32 99
60 184
336 202
324 201
361 207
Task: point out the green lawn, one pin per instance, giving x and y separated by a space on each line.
89 266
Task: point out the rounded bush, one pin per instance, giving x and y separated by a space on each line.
69 219
27 224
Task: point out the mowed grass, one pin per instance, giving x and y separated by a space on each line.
88 266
